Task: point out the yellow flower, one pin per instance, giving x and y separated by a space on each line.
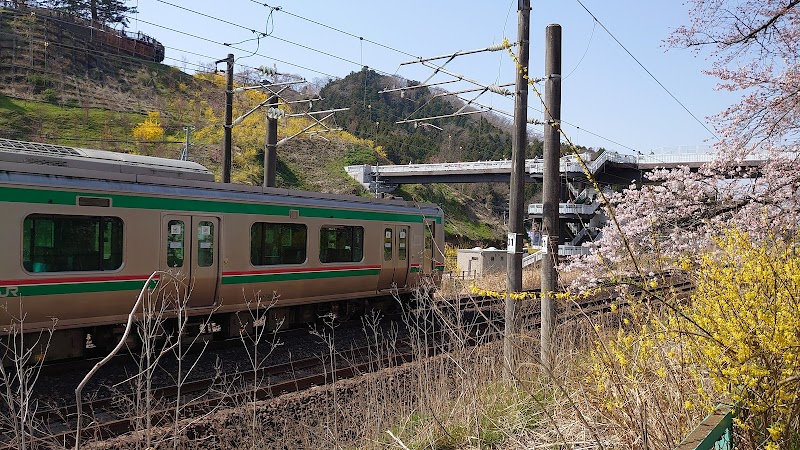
775 431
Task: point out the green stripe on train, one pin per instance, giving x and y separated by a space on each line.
136 285
273 277
79 288
22 195
109 286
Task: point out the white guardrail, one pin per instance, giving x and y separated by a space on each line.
566 209
563 250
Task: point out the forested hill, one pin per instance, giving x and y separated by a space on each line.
373 116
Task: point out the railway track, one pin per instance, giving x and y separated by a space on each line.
107 419
635 290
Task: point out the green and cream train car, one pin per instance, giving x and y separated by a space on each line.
84 229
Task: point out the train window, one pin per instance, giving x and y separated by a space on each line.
176 232
277 243
205 244
401 244
54 243
387 244
341 244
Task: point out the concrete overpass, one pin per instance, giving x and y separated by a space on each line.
608 168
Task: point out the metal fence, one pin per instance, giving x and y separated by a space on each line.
715 432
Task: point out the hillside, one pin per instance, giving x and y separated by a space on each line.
100 100
373 115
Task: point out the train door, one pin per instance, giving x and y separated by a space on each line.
394 259
191 250
401 268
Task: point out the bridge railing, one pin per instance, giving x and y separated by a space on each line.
568 164
715 432
537 209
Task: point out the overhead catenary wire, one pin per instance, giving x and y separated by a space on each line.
264 34
585 52
237 48
361 40
489 109
648 71
281 9
281 61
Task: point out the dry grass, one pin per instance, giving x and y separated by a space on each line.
461 399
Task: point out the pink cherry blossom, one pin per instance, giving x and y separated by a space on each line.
754 46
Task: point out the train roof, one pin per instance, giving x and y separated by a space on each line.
54 165
100 160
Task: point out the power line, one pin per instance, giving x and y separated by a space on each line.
275 59
322 52
109 54
264 34
601 137
223 44
333 28
648 72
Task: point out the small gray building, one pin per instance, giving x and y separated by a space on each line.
476 262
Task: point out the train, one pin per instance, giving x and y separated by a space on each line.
84 229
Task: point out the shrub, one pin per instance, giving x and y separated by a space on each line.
150 129
735 341
742 330
50 96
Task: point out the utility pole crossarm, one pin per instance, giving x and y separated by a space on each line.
266 86
417 86
311 113
466 113
244 116
491 48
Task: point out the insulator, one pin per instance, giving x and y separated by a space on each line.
275 113
498 90
498 47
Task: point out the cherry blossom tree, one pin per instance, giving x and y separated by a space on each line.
754 46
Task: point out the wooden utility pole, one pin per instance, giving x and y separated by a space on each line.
551 189
516 209
226 157
271 144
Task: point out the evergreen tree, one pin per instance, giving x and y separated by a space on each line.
374 116
111 12
108 12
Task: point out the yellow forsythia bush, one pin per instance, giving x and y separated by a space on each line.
150 129
736 340
743 328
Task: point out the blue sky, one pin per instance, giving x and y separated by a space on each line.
604 91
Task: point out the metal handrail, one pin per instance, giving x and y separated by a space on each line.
715 432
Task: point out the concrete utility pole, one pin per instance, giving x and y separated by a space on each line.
516 208
551 189
226 157
271 144
185 153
